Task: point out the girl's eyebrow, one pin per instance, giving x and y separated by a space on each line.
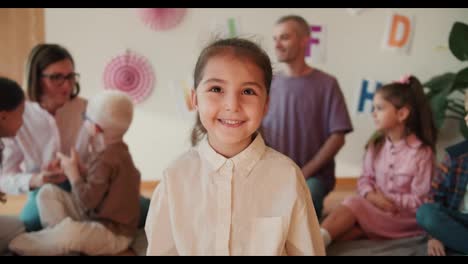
215 80
252 83
223 81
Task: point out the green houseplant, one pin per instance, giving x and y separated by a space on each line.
445 91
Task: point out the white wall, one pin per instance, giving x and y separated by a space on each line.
159 132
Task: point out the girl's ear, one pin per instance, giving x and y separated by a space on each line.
194 99
403 114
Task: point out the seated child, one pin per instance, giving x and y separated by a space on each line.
397 171
446 218
11 120
100 215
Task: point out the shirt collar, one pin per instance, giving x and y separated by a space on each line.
244 161
410 141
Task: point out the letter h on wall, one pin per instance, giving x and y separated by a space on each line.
366 94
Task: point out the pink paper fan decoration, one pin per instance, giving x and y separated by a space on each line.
130 73
161 18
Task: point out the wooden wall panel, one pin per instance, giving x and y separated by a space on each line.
20 30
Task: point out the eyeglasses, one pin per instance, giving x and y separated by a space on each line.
58 78
86 117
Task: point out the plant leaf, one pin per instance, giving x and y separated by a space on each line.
441 83
439 106
458 40
461 80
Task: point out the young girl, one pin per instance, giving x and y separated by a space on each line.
397 170
446 217
11 119
231 194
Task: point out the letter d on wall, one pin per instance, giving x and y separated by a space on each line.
398 33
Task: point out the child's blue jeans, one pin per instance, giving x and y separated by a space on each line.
448 226
318 192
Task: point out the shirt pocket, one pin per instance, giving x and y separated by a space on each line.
267 235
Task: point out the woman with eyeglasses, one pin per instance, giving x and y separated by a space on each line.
52 123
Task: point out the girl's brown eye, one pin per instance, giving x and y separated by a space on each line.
215 89
249 91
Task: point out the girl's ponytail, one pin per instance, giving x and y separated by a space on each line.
421 121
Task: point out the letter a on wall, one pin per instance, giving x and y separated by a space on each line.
399 33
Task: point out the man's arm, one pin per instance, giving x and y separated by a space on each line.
326 153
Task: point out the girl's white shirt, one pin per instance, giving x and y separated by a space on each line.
256 203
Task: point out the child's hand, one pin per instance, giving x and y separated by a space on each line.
54 165
435 247
81 167
45 176
392 208
378 199
70 165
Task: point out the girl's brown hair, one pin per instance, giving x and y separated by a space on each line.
241 48
420 120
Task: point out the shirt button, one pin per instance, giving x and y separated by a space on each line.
391 166
229 163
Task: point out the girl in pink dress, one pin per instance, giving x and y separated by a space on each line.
398 167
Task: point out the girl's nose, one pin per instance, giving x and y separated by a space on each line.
231 103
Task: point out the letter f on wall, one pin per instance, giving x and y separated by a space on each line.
313 40
317 42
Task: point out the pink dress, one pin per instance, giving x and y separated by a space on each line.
403 172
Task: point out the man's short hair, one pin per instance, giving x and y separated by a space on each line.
303 26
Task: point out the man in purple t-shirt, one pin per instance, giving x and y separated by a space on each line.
307 118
